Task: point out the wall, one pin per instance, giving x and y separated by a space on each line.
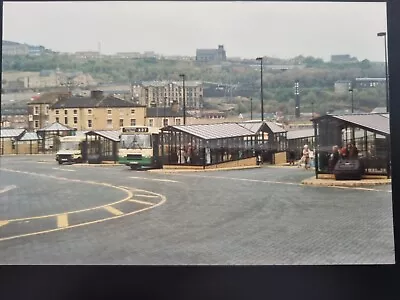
280 158
237 163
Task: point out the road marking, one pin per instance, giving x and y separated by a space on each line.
113 210
126 190
61 169
163 200
62 220
2 223
146 196
8 188
155 179
142 202
286 183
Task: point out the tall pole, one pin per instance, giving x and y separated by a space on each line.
165 115
312 109
352 100
262 89
297 94
184 98
379 34
251 108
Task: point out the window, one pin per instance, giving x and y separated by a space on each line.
57 112
132 111
89 123
109 123
66 120
177 121
151 122
47 109
165 122
75 111
121 122
109 112
58 120
66 112
75 120
133 122
36 124
36 110
89 111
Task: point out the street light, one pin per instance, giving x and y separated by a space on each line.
262 91
251 108
297 94
184 98
379 34
312 109
351 91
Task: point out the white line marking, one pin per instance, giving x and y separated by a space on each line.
61 169
146 196
8 188
142 202
286 183
155 179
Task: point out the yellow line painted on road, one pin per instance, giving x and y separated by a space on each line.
2 223
126 190
113 210
141 202
163 200
62 220
146 196
285 183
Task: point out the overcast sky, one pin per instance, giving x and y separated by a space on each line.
171 28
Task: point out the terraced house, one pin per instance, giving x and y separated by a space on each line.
97 112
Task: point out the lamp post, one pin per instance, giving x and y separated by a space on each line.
297 94
165 114
379 34
312 109
262 90
351 91
251 108
184 97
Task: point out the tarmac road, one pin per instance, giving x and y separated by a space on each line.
113 215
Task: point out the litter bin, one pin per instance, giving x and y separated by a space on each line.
94 159
348 169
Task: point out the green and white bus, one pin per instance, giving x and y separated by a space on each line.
139 147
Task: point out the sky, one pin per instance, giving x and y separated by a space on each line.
246 29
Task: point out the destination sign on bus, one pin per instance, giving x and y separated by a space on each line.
136 129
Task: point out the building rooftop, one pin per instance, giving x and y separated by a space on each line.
11 133
154 112
92 102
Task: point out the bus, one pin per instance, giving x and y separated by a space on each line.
139 147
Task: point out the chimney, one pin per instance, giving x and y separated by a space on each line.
97 94
174 106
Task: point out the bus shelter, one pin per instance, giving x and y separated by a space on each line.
101 145
297 139
370 133
205 145
50 136
29 143
271 139
9 140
